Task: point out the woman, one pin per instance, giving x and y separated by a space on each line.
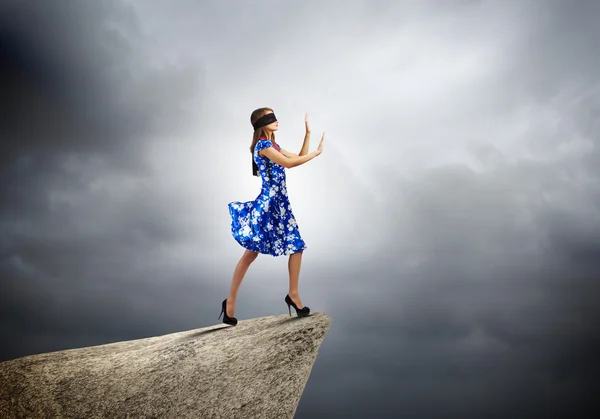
267 224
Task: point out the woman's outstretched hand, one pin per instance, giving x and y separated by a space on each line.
306 125
320 148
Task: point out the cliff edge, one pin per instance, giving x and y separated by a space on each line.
257 369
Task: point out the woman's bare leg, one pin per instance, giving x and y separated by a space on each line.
294 264
238 275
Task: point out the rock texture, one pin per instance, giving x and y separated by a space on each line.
257 369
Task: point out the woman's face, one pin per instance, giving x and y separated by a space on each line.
273 126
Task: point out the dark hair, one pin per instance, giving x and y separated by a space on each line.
258 133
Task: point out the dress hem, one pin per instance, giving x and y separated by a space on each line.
288 253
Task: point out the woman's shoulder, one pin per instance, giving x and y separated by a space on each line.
262 143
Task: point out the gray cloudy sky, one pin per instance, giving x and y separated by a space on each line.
453 222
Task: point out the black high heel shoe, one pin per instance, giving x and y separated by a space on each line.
301 312
226 319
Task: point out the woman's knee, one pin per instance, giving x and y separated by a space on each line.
249 256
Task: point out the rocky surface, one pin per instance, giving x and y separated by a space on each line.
257 369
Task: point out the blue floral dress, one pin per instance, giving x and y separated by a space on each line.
267 225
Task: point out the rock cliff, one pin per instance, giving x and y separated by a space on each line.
257 369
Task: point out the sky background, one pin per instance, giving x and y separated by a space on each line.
452 222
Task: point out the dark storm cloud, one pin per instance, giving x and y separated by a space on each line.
80 216
75 85
558 52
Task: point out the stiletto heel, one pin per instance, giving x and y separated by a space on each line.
300 312
226 319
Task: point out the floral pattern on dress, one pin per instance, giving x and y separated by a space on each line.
267 225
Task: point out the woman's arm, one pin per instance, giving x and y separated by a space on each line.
306 143
289 153
287 162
